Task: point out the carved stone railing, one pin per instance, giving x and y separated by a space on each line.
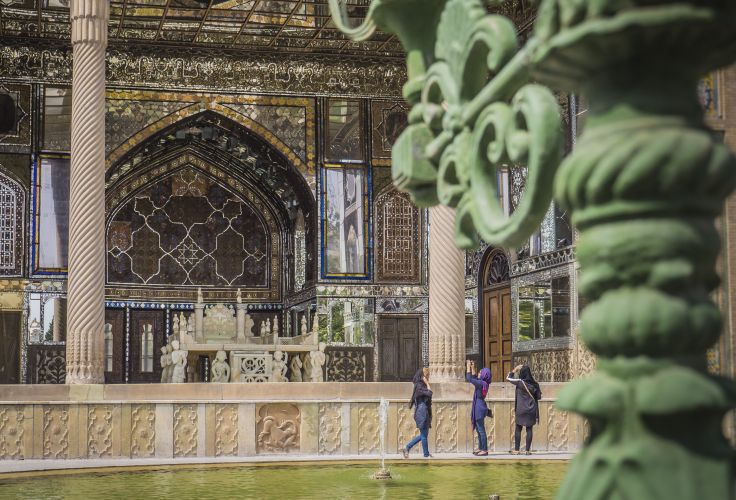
644 185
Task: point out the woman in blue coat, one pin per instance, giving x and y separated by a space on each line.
479 411
421 401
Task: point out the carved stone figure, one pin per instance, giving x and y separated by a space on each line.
317 359
249 324
263 328
275 328
239 297
179 360
296 368
182 323
315 324
169 367
278 373
268 326
175 327
304 326
220 369
163 364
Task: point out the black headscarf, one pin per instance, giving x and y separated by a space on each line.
526 375
419 386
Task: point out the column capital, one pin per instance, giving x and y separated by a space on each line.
89 21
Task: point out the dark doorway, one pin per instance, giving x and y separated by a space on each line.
146 339
400 347
10 347
114 346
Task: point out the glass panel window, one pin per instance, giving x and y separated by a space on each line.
344 199
57 119
544 309
51 221
147 349
344 131
108 347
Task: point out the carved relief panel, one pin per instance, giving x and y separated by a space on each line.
330 428
11 433
143 431
278 428
55 431
226 430
99 431
185 430
368 429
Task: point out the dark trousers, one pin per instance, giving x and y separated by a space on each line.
517 437
423 433
480 428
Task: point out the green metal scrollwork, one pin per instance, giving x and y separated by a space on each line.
644 184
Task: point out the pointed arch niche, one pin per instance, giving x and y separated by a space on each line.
206 203
398 238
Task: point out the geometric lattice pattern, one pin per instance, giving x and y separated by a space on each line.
188 230
398 240
12 201
288 123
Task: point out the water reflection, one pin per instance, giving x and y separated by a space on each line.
524 481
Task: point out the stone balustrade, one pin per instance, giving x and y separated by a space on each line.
246 420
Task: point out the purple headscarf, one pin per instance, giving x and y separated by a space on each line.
485 378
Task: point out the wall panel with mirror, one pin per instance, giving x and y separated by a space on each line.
50 214
543 312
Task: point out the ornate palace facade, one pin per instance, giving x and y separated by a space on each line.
247 168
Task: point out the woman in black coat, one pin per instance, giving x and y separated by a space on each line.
526 405
421 400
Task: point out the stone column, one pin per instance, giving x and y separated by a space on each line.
241 310
446 298
199 322
86 287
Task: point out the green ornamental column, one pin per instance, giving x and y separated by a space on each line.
644 185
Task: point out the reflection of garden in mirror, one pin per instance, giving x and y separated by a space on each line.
344 210
544 309
347 321
46 318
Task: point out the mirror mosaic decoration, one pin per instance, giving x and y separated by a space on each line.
50 214
345 228
346 321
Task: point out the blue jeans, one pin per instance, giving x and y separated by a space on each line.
480 428
421 437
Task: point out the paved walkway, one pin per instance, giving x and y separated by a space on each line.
32 465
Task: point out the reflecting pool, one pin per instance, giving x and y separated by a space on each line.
518 481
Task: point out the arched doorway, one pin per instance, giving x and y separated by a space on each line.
495 313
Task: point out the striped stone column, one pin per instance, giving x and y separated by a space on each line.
86 286
446 298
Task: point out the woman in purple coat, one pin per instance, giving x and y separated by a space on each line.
479 411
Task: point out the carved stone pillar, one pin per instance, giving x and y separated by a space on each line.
241 310
199 322
86 287
446 298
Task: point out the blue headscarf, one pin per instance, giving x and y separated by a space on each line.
485 378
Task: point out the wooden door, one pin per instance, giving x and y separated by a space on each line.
497 332
114 346
400 347
10 347
146 340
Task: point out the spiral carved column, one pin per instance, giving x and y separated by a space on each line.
86 287
446 297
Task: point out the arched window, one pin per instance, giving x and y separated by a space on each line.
497 270
108 347
12 202
147 348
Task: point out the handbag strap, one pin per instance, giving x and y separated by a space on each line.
528 391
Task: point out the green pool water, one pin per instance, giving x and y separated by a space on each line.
518 481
